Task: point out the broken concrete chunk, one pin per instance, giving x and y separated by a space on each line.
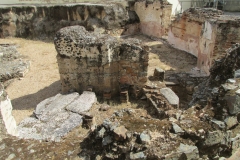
83 103
177 129
137 156
170 96
191 152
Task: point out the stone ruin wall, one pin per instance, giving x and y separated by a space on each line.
155 17
205 33
43 21
101 62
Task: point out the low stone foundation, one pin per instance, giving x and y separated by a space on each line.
101 62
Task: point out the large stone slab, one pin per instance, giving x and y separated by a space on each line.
53 120
83 103
170 96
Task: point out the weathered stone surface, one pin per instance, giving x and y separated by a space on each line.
120 132
7 121
54 120
233 103
11 63
170 96
45 20
159 74
231 121
213 138
137 156
191 152
145 138
229 87
154 17
101 61
201 32
218 124
83 103
177 129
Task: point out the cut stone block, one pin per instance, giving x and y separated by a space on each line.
170 96
159 74
83 103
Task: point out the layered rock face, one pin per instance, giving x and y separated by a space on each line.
205 33
101 62
155 17
45 20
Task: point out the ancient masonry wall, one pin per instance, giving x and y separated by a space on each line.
101 62
7 121
155 17
45 20
205 33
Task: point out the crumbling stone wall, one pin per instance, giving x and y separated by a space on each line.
205 33
155 17
101 62
45 20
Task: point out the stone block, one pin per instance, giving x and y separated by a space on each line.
171 97
159 74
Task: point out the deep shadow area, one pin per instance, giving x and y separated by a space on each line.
30 101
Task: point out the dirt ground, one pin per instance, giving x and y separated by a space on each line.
42 81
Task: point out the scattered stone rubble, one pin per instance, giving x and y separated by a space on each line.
11 63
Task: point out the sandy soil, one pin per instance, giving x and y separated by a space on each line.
42 81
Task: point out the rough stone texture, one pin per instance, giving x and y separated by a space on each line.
170 96
45 20
53 120
83 103
11 63
7 121
154 17
191 152
159 74
205 33
101 61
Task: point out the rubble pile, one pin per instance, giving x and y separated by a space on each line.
11 63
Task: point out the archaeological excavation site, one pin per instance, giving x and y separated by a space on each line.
125 79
